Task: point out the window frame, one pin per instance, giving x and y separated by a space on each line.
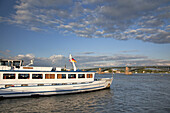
24 75
80 76
70 76
37 77
9 74
49 76
89 75
61 76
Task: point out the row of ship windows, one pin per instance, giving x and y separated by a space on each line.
47 76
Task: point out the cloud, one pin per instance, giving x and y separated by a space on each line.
92 61
36 29
6 52
87 53
129 51
3 19
29 56
144 62
118 60
144 20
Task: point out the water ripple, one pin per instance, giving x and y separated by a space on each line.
128 93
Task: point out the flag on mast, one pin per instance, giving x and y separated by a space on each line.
73 60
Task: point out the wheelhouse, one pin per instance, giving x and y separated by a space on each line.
16 63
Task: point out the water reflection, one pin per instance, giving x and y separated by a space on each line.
84 102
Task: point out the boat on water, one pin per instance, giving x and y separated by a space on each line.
17 80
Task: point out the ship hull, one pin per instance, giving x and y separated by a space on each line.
22 91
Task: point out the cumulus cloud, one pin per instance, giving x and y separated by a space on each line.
145 20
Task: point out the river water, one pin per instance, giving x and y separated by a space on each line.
137 93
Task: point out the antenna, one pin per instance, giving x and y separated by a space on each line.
73 62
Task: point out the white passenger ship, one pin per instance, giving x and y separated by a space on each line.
17 80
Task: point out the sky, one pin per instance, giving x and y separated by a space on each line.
98 33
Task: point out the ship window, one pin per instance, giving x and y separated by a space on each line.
61 76
16 63
89 75
23 76
4 63
8 76
81 75
71 75
49 76
37 76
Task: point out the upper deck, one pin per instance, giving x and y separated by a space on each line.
18 65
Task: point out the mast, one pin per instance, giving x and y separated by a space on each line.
73 62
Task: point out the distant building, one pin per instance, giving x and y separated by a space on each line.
100 72
127 71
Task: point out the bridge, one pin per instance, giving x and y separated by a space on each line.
132 68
